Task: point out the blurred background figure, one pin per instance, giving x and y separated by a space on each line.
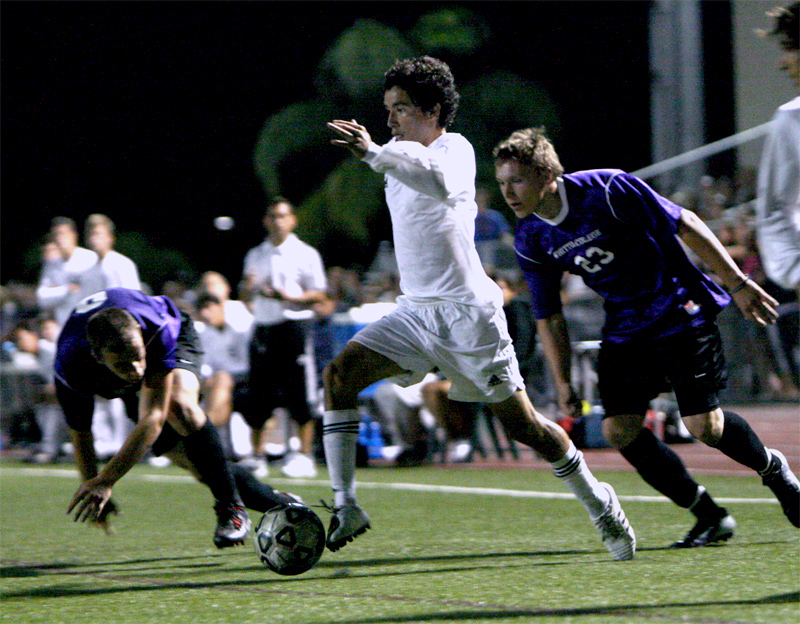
35 343
61 285
237 314
778 204
494 238
283 279
112 269
225 369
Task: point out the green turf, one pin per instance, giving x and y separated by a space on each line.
431 557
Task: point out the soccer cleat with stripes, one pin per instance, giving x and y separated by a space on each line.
233 525
347 523
615 530
706 532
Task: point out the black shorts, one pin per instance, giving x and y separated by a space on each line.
189 351
691 363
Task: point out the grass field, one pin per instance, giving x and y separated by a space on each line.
447 546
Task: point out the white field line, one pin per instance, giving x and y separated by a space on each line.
368 485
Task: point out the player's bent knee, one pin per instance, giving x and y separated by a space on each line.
705 427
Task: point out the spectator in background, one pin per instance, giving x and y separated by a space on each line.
110 426
61 285
35 342
778 203
283 279
492 231
112 270
236 313
225 368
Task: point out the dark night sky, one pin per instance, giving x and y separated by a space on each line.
149 111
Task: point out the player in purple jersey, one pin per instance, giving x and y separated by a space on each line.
621 237
122 343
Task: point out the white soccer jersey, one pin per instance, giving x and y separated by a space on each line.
778 205
430 192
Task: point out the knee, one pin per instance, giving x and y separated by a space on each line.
706 427
619 432
338 384
187 417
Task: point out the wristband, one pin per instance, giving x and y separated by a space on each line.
742 285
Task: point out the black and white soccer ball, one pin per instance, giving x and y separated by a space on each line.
289 539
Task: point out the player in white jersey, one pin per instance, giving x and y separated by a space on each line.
450 317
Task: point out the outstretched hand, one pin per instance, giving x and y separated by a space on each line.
756 304
92 502
351 135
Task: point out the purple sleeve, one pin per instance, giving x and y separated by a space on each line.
545 287
634 201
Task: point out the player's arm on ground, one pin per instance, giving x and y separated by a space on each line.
749 296
554 336
78 410
93 495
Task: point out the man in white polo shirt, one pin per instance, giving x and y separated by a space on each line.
283 278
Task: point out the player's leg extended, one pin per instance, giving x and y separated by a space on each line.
732 434
663 470
355 368
524 424
204 450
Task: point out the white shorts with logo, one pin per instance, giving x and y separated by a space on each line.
469 345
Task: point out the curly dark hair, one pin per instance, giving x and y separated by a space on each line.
428 82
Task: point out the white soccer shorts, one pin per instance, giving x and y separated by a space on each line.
469 345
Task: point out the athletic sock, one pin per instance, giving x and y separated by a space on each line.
255 494
340 438
705 507
204 451
572 469
661 468
739 442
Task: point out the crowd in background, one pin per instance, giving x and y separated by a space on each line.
763 362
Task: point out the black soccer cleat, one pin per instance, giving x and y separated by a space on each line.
707 531
784 484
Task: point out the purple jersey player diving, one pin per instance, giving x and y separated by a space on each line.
621 237
123 343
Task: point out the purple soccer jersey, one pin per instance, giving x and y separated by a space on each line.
75 367
618 234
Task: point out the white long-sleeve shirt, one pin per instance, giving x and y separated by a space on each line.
778 204
113 271
430 192
54 292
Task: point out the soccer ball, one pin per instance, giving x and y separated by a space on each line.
289 539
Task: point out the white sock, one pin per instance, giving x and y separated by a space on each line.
340 437
572 469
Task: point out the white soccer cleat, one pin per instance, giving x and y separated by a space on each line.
299 466
347 523
615 530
